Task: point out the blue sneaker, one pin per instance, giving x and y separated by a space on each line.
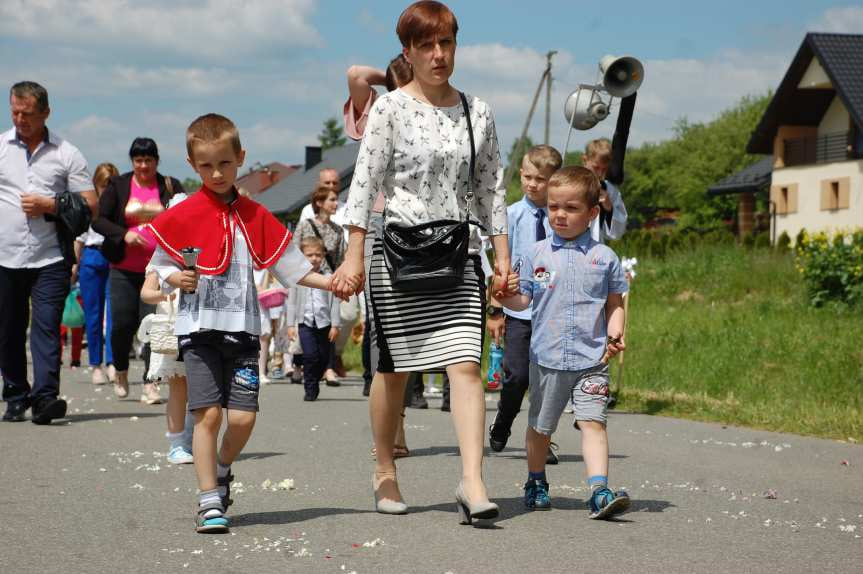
180 455
536 495
604 504
277 373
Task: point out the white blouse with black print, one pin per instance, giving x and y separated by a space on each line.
418 155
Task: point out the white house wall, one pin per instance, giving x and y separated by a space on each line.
809 215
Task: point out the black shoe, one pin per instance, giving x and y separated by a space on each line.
498 435
309 397
551 458
367 388
15 411
444 406
47 410
418 402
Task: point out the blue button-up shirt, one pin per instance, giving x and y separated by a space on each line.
568 282
521 227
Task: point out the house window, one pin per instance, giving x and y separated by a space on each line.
784 198
835 194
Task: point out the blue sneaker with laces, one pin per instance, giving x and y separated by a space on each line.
604 503
536 495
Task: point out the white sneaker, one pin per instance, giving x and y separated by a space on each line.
179 455
264 379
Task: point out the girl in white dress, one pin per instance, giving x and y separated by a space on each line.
168 368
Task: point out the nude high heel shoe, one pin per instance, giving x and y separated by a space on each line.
387 505
468 511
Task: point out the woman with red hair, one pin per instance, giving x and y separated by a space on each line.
417 151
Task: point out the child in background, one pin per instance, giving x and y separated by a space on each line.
73 324
314 317
169 368
269 324
527 223
611 222
575 286
219 321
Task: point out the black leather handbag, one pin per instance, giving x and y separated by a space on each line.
431 256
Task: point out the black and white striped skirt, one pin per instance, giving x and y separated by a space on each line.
424 330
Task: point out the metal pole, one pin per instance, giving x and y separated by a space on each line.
548 57
520 143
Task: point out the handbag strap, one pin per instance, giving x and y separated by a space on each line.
327 255
468 198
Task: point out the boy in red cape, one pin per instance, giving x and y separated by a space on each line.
218 322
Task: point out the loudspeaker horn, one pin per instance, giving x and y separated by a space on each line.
584 108
621 75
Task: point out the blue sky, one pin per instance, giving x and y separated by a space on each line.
116 69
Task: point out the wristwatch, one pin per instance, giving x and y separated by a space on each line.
494 311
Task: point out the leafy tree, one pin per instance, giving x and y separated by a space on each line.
191 185
677 172
332 134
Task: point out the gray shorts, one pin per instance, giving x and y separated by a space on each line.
221 370
551 390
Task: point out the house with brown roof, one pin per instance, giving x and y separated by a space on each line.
262 177
812 132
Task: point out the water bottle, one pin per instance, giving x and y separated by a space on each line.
494 379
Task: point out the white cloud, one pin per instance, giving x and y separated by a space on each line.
507 78
847 19
198 28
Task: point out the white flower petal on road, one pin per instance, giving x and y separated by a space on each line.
373 543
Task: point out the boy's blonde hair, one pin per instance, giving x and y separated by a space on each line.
312 241
599 150
211 128
585 183
544 157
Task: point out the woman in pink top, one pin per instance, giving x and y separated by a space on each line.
129 202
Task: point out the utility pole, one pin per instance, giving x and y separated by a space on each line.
545 78
548 57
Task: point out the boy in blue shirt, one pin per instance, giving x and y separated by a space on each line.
575 286
527 223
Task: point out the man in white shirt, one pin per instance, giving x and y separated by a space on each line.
328 178
36 167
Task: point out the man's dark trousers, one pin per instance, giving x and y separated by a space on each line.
43 291
516 363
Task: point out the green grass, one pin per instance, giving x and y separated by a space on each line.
724 334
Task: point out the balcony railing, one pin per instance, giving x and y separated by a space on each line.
827 148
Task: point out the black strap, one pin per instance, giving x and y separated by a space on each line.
472 167
327 255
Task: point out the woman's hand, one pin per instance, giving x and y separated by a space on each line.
134 238
349 278
292 333
505 282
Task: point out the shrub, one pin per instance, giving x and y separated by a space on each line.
762 241
748 241
783 244
831 267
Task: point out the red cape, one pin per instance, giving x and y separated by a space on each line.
202 221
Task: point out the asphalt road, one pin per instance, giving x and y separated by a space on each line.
93 493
